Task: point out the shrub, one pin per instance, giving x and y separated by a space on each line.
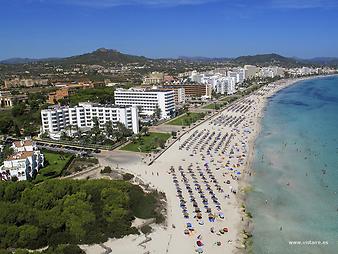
146 229
106 170
128 176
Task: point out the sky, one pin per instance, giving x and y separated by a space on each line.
169 28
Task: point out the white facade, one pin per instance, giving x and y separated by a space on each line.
26 161
147 100
57 119
181 96
196 77
238 74
231 88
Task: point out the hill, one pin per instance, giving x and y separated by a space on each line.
100 56
106 57
267 59
103 56
329 61
204 59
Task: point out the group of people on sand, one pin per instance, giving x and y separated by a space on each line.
217 151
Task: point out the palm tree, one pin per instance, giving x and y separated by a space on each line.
145 130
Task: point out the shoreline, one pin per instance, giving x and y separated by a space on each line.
171 239
245 182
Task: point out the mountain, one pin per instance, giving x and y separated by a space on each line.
100 56
103 56
267 59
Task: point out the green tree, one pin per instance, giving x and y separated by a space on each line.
78 213
145 130
18 109
123 130
28 234
109 128
158 112
115 204
6 125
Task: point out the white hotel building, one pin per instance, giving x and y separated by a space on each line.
148 100
26 161
57 119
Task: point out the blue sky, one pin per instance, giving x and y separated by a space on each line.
169 28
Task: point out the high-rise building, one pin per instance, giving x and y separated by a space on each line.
57 119
149 100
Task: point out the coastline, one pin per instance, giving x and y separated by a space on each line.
245 182
168 239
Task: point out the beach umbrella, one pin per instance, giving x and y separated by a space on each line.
199 243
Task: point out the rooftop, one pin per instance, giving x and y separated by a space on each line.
22 143
20 156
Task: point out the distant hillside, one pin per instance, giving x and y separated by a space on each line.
106 57
204 59
26 60
332 61
103 56
267 59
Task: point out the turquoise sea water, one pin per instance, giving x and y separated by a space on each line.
295 187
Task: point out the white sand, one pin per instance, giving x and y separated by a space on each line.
173 240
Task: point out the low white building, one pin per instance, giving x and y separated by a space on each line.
148 100
57 119
26 161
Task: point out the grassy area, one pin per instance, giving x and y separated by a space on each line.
56 163
148 143
213 106
187 119
230 98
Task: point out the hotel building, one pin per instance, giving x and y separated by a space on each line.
57 119
148 100
26 161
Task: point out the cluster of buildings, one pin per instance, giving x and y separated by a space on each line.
17 82
24 163
64 90
304 71
130 106
221 81
7 99
225 81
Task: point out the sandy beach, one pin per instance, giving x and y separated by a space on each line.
202 174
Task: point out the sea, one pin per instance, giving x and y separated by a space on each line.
294 197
